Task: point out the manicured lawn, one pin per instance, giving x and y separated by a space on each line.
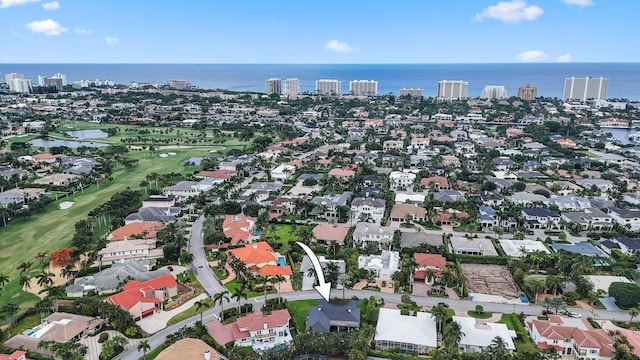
233 285
284 233
27 322
298 311
190 312
482 315
219 274
513 323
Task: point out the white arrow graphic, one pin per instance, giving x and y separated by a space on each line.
324 289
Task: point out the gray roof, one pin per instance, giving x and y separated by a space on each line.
162 214
325 315
415 239
373 202
108 280
583 248
449 195
333 200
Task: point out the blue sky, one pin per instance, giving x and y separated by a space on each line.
345 31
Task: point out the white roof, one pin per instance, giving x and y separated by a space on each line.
514 247
482 335
419 330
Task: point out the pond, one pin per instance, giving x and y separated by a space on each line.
87 134
47 143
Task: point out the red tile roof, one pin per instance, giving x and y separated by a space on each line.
237 227
430 260
273 270
136 228
133 291
14 355
254 253
256 321
441 181
218 174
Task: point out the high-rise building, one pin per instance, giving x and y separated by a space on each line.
528 92
494 92
179 84
452 89
363 88
291 86
415 93
20 85
328 87
584 89
274 86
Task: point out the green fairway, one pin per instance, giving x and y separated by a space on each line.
53 229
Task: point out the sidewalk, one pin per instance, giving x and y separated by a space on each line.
158 321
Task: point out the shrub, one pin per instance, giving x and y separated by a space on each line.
570 297
104 336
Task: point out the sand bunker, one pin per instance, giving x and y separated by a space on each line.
65 205
163 155
172 153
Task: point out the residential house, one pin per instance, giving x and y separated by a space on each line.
477 337
525 198
189 349
153 214
283 172
383 266
570 203
489 198
182 190
130 249
327 317
308 280
165 201
628 246
326 233
344 176
110 279
583 248
410 198
408 212
328 206
473 246
366 233
411 334
136 230
260 258
16 355
259 331
601 184
220 174
540 218
238 228
393 145
368 209
57 179
401 181
577 339
589 219
503 163
59 327
438 183
144 298
435 262
449 196
628 218
449 217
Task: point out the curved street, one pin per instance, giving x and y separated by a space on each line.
211 285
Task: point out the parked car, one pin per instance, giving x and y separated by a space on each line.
443 304
574 314
170 268
546 312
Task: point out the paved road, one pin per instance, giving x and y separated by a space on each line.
199 264
211 285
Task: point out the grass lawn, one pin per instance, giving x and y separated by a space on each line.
219 274
587 153
233 285
298 311
482 315
283 233
513 323
27 322
190 312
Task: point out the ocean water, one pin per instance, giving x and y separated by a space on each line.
624 78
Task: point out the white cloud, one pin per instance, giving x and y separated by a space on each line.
83 31
565 58
110 40
581 3
533 56
47 27
8 3
54 5
511 12
339 46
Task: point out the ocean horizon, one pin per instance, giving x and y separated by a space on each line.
624 78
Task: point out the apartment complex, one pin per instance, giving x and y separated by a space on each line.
328 87
363 87
452 89
527 92
584 89
494 92
411 92
274 86
291 86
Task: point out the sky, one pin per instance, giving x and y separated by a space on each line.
318 32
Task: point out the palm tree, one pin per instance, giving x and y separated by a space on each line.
4 279
11 309
430 275
68 272
633 312
24 267
41 257
200 304
312 273
144 346
264 280
55 292
439 313
535 285
278 279
25 283
45 279
219 298
239 293
498 349
554 283
452 335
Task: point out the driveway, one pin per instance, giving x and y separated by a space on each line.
609 303
94 347
158 321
